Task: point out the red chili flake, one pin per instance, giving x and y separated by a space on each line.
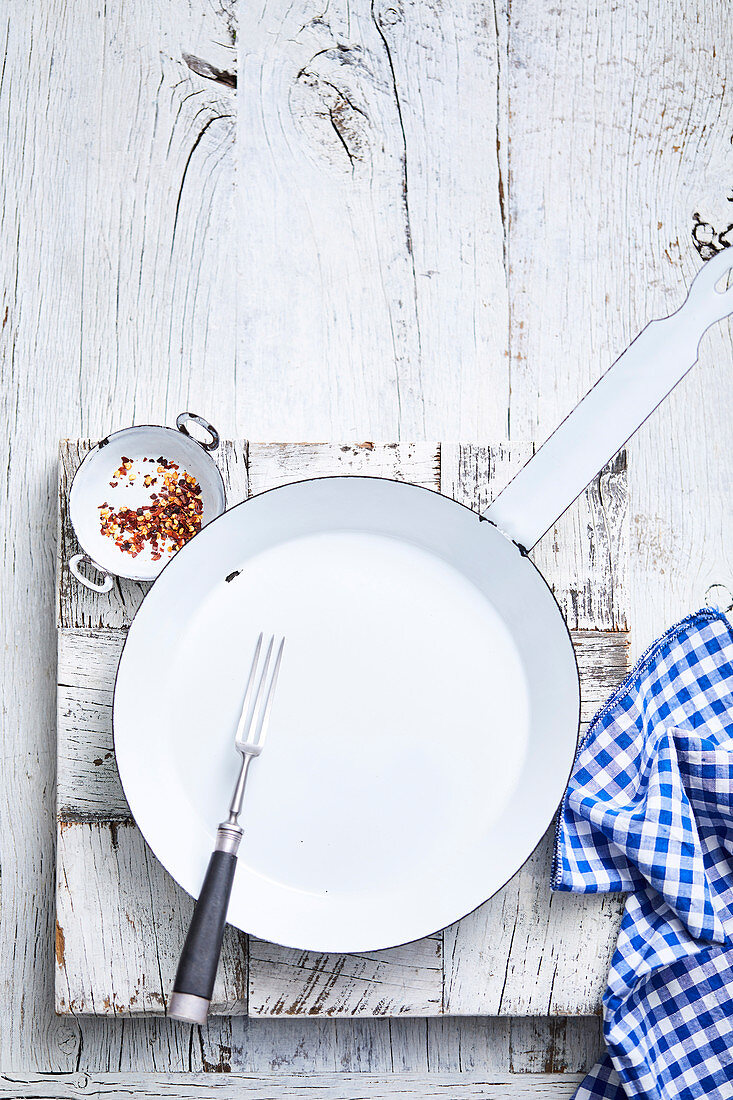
170 520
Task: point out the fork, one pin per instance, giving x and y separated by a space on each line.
199 960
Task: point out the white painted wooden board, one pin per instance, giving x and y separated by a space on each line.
371 223
338 1086
121 920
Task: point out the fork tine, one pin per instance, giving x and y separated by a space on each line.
255 703
245 717
264 714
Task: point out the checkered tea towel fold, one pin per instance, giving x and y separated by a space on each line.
649 809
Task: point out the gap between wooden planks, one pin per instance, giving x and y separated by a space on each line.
121 919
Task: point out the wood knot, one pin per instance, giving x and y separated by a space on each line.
326 104
390 16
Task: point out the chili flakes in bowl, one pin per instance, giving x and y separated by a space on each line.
166 520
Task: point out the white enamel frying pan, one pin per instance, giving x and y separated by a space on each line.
427 709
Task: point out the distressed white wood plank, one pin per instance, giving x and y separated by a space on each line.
637 115
603 662
506 1044
88 785
116 303
120 925
560 1045
438 1045
362 165
443 59
273 464
76 605
527 952
532 952
583 558
403 981
340 1086
491 1047
475 473
303 1045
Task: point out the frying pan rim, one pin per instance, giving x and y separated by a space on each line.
480 519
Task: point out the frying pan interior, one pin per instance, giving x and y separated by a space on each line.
424 725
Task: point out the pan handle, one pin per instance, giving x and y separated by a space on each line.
611 412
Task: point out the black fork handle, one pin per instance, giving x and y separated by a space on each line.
194 982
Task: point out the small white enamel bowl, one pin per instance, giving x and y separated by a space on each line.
91 488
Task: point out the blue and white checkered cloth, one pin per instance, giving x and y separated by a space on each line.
649 809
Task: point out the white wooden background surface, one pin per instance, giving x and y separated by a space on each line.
450 217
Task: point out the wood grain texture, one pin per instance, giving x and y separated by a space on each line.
266 1046
638 114
116 304
88 786
120 925
273 464
403 981
385 194
339 1086
583 558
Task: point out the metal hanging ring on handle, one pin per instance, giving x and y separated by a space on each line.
106 584
719 597
181 421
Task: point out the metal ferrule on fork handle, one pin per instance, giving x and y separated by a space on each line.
228 837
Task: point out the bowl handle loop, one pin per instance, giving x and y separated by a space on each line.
74 564
203 423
